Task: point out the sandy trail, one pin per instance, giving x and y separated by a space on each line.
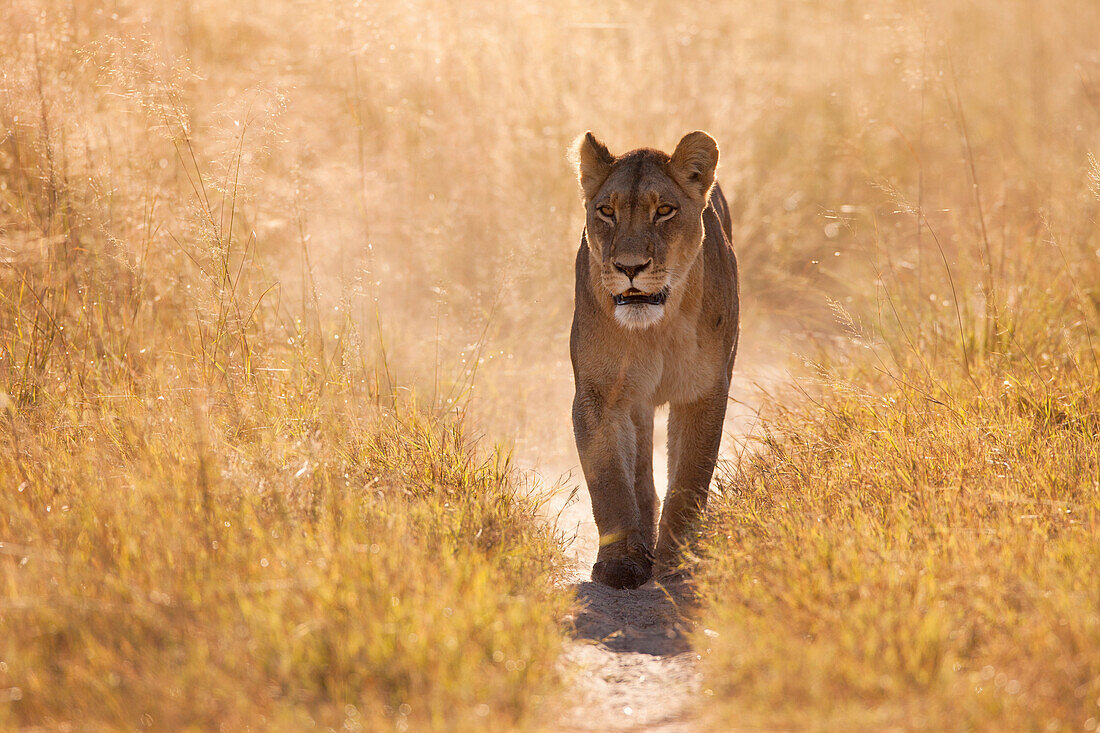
630 661
632 665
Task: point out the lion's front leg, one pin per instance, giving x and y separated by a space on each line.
694 434
606 441
644 491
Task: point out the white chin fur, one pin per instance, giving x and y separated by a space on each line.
637 316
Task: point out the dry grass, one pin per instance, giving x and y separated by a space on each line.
897 561
225 506
164 567
915 546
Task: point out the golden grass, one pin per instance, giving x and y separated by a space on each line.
914 546
164 568
892 562
224 504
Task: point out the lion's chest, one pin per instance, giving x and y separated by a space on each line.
685 369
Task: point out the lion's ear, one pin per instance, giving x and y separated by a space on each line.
693 162
593 164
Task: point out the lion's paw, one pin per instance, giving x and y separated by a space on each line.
622 572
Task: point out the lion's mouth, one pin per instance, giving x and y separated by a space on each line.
637 297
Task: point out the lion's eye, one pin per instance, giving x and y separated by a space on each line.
664 211
606 211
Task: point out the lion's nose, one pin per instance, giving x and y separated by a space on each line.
631 268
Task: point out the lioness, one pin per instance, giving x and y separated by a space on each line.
655 321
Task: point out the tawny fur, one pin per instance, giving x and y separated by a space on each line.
628 359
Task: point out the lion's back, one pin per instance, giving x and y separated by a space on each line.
722 285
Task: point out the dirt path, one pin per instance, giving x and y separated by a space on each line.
632 665
630 659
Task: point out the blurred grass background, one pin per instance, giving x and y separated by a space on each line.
260 261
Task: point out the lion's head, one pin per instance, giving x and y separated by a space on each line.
644 221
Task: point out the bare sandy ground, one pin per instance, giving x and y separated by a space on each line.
631 665
630 661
